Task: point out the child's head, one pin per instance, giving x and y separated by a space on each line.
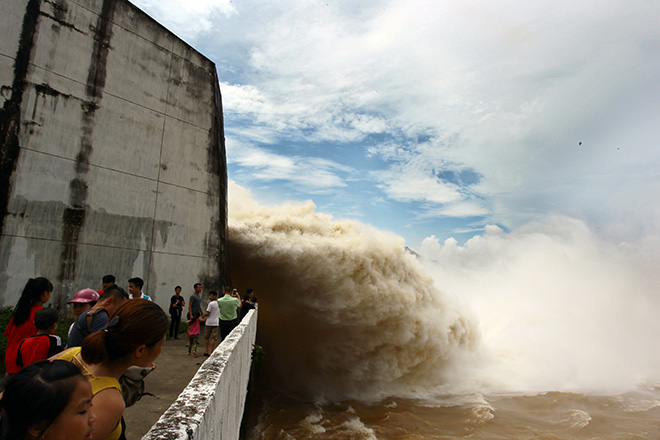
213 295
194 317
45 319
47 399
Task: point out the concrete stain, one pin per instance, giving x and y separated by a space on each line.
97 246
45 91
10 113
216 240
58 15
73 219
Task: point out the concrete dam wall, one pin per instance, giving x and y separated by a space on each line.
111 151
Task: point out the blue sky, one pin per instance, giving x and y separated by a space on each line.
437 118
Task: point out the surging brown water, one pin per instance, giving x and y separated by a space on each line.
344 310
361 344
555 415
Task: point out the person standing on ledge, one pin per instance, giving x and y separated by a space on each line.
229 305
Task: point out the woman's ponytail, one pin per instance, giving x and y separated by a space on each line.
31 294
136 322
93 348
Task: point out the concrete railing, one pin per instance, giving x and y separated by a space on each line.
211 406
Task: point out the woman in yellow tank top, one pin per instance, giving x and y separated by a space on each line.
134 336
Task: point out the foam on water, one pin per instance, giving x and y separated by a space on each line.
576 419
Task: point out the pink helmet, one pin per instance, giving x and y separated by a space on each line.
84 296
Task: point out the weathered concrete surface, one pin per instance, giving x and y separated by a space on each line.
111 151
211 406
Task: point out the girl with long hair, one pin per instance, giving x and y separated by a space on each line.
21 325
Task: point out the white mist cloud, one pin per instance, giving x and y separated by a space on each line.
559 308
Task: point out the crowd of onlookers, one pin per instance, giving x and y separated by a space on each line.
220 317
80 391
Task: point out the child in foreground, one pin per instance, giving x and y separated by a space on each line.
47 400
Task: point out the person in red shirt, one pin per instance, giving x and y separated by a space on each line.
106 281
21 325
42 345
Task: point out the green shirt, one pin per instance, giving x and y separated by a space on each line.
228 306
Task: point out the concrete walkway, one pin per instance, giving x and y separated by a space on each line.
174 370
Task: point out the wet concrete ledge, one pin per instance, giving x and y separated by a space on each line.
211 406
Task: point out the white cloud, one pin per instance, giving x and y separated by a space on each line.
309 174
506 89
409 187
187 19
461 209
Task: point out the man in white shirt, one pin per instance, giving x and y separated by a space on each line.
135 289
212 322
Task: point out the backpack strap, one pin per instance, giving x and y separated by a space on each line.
19 358
90 317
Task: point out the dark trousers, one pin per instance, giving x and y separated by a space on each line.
174 326
226 327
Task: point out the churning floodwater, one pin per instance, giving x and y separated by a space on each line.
545 332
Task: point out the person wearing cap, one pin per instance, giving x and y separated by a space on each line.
82 301
96 318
